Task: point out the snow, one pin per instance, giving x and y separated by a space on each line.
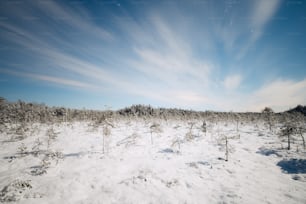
65 162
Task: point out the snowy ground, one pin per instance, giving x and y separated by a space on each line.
66 163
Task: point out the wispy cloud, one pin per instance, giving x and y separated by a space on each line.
262 12
52 79
81 20
170 60
187 64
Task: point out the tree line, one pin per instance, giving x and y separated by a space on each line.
20 111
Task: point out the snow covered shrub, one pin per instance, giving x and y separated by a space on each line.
44 165
176 141
129 141
36 147
14 191
39 170
21 129
18 132
93 126
52 135
22 149
106 133
60 114
55 155
204 128
189 136
154 128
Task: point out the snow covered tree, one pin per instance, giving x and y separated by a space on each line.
268 113
267 110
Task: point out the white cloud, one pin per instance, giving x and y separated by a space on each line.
232 82
186 98
279 95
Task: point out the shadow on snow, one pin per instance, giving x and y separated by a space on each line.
268 152
293 166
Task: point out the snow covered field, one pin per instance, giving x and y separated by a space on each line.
138 161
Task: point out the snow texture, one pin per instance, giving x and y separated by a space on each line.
131 162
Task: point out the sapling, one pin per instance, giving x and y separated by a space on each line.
189 135
270 123
45 163
224 143
133 137
226 149
154 128
237 122
178 142
301 131
177 139
204 128
22 149
36 147
106 132
286 132
52 135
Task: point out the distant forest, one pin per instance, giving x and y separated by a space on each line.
21 111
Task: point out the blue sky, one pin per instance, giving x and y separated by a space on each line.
227 55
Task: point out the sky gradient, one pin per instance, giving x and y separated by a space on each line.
224 55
